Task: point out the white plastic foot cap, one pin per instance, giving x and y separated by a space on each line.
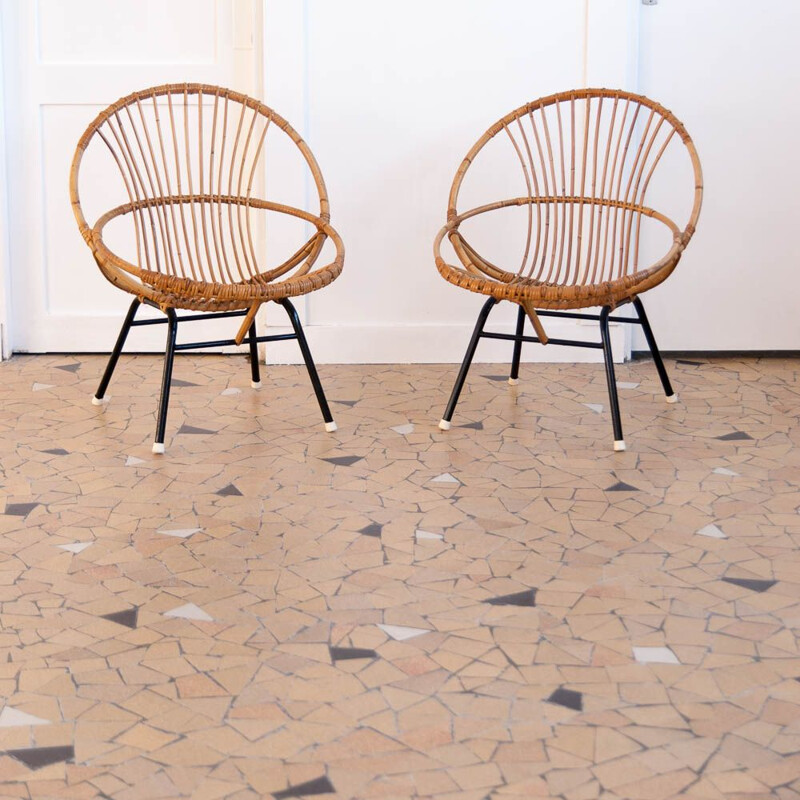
330 427
672 398
444 424
255 384
99 401
513 381
158 448
619 445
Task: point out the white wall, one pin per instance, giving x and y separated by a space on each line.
393 95
390 99
730 70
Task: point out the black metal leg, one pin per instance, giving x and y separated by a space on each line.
444 424
255 370
619 441
330 425
114 357
651 343
514 377
166 381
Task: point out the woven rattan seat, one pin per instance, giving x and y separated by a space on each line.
191 157
587 158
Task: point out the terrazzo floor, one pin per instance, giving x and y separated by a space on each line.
507 610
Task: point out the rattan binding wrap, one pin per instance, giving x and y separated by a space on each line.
587 158
189 156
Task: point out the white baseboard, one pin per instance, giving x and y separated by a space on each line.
439 344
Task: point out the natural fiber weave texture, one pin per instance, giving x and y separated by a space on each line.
190 156
587 158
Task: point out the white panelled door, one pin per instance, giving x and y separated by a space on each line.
63 62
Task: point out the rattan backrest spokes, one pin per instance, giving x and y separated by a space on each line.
192 159
587 160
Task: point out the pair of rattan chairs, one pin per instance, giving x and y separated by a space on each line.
191 156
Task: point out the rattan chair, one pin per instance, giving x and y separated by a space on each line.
588 158
189 156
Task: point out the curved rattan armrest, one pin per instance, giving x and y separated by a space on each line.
260 288
476 264
503 285
589 201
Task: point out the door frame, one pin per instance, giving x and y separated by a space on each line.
5 271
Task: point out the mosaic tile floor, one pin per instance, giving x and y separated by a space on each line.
508 610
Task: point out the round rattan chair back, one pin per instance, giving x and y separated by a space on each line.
587 159
190 157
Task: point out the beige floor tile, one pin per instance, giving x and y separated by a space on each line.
524 683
